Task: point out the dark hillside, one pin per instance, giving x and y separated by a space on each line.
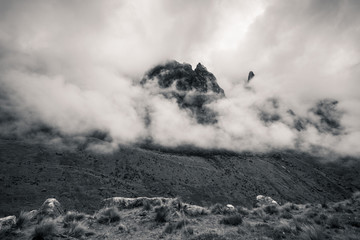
30 173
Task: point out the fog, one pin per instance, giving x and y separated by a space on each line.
75 68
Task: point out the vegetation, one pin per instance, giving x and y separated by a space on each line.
173 219
108 215
46 229
232 220
162 214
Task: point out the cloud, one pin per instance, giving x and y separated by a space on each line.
75 67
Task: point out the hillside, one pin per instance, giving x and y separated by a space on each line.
30 173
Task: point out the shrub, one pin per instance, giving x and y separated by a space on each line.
311 213
342 206
243 211
311 232
108 215
286 215
147 206
356 196
188 231
180 224
162 214
78 230
174 226
271 209
217 209
289 206
300 221
194 211
334 222
232 220
46 229
72 216
170 227
320 219
259 212
123 228
354 223
283 227
208 236
324 205
23 219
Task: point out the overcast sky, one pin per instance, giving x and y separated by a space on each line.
75 65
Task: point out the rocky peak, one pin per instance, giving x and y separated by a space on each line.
200 68
192 89
251 75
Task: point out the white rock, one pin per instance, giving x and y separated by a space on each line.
229 206
265 200
51 207
7 222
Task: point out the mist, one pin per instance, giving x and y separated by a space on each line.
69 70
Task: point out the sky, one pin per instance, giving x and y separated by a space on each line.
75 66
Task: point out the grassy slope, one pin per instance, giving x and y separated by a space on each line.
30 173
291 221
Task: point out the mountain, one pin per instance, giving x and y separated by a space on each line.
192 89
30 173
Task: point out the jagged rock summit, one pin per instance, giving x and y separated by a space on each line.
251 75
192 89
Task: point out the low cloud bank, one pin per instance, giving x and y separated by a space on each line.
70 75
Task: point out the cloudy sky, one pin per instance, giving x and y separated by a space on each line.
75 67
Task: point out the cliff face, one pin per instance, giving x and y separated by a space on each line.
192 89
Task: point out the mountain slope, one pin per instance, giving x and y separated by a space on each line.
30 173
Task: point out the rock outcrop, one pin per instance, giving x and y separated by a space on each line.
51 207
192 89
265 200
250 76
7 222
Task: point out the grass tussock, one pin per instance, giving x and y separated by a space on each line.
320 219
195 211
221 209
162 214
286 215
243 211
47 229
334 222
271 209
147 206
123 228
23 220
78 230
73 216
289 207
209 236
108 215
234 220
312 232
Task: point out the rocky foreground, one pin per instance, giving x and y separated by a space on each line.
170 218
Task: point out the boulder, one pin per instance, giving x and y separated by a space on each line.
229 206
51 207
7 222
265 200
